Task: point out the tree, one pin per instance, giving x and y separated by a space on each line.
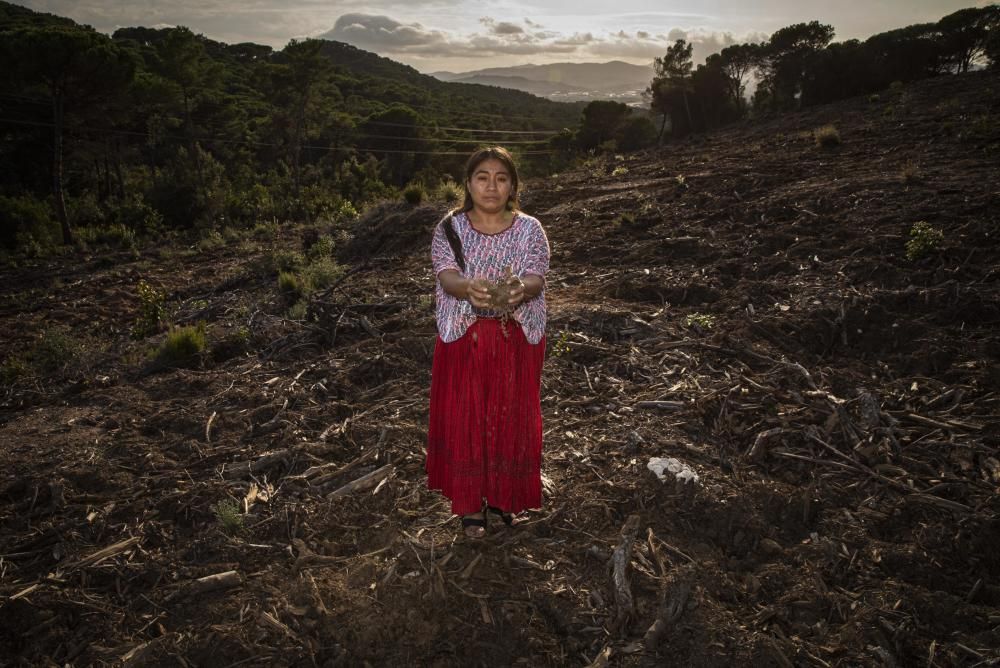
301 91
182 61
394 135
965 34
906 54
737 62
671 85
784 58
712 92
601 119
77 68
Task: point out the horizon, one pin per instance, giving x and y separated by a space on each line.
443 36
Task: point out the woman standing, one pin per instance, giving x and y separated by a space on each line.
484 445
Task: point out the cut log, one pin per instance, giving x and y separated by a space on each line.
624 604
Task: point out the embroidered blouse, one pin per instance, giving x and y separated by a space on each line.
523 246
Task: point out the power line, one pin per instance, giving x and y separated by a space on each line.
248 142
48 102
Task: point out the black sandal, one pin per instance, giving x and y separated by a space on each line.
508 518
469 522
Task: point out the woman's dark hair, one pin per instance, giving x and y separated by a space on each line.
478 158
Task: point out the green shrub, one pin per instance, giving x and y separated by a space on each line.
183 345
449 192
874 97
26 221
298 311
322 273
322 248
152 311
210 240
135 214
700 320
827 136
619 171
115 235
286 260
227 513
54 350
344 213
924 240
290 285
414 194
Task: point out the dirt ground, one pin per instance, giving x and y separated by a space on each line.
753 316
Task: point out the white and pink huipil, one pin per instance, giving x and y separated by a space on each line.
523 246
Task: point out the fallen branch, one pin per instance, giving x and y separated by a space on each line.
208 427
662 405
104 553
364 482
246 468
214 582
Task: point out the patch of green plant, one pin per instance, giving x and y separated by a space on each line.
700 320
924 240
449 192
291 285
621 170
298 311
874 97
322 273
681 181
115 235
183 345
561 345
210 240
229 516
265 230
414 194
152 311
323 248
285 260
827 136
56 348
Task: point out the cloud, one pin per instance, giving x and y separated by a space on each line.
385 35
391 37
501 27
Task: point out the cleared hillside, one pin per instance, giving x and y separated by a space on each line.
754 316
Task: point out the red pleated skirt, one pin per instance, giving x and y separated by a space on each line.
484 440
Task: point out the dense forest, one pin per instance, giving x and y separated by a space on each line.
111 139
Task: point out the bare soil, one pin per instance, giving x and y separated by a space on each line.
754 316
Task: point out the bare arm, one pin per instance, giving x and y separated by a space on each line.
460 287
528 287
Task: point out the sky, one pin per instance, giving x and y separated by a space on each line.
436 35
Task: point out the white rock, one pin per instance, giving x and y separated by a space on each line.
678 469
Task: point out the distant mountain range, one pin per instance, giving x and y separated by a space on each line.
564 81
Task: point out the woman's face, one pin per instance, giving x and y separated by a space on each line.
490 186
